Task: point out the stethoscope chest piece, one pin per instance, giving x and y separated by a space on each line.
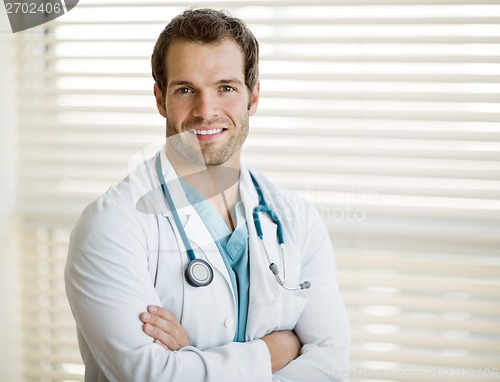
199 273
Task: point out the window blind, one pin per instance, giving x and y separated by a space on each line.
384 114
9 272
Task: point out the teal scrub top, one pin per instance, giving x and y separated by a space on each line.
234 249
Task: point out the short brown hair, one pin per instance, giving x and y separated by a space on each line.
206 26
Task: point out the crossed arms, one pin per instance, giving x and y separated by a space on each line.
108 284
166 330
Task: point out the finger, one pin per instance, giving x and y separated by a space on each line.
159 317
158 322
145 317
161 337
155 326
161 343
173 335
166 321
163 313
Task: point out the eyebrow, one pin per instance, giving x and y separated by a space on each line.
219 82
180 83
229 81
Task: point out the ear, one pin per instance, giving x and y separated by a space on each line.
254 99
160 102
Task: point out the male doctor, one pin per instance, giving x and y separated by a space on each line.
255 310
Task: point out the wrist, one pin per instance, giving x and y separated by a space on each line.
283 347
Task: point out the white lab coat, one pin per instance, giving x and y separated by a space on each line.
123 244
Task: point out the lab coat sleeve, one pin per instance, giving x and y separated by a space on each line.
323 327
108 285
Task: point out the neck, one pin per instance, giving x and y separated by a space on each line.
218 184
224 202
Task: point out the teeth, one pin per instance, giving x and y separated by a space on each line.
207 132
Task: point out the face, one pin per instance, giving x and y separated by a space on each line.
207 100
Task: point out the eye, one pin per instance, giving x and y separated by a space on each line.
183 91
227 88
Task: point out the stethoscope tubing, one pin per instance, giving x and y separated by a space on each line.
175 214
199 273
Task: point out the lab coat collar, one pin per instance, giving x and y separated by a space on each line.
146 188
174 186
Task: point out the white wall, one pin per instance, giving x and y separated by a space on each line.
10 311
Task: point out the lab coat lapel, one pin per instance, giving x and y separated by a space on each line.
200 237
195 228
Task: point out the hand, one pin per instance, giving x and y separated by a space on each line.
284 346
164 327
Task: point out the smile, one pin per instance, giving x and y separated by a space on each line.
206 132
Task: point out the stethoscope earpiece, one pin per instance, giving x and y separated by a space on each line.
199 273
305 285
274 269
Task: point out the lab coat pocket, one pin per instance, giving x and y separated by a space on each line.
281 314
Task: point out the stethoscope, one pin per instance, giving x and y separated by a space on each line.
199 273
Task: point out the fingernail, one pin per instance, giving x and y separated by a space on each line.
152 308
148 328
146 316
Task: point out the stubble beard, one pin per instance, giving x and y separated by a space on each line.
187 146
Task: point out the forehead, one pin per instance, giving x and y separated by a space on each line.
193 61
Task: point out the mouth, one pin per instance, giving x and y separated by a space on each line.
206 132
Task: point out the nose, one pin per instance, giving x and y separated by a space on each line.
206 106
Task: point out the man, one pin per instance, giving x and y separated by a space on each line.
251 313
